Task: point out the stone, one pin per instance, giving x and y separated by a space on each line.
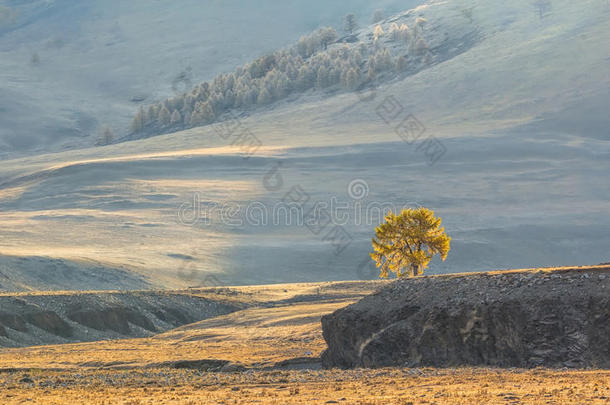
444 323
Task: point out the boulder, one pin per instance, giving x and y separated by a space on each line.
505 319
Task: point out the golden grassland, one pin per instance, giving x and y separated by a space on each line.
284 324
381 386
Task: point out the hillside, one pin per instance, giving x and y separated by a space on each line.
69 69
322 62
260 315
67 317
516 185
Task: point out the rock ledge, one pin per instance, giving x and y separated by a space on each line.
558 318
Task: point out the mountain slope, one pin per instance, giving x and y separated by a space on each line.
68 69
515 186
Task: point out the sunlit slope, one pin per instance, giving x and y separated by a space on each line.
516 187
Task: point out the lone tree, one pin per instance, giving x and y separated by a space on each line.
349 24
406 242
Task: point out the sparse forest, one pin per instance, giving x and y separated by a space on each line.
319 61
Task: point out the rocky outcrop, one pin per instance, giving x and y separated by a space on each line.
555 318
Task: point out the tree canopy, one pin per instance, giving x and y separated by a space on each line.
406 242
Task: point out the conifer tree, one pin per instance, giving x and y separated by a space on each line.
378 15
377 33
401 64
107 136
349 24
151 114
322 77
383 60
186 120
352 78
418 28
405 33
138 122
327 36
164 116
305 78
395 32
264 97
176 118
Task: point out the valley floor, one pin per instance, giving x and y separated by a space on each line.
267 353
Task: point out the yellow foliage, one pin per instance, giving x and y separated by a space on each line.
406 242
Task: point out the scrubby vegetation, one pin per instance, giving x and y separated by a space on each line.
318 61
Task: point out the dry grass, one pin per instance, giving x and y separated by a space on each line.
254 337
288 326
384 386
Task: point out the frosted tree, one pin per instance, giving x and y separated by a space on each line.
229 99
395 32
371 69
418 28
138 122
151 113
208 112
327 36
164 116
421 47
264 97
107 136
401 64
301 47
378 33
217 101
352 79
282 85
378 15
291 71
349 24
305 78
230 81
422 50
363 50
334 76
253 95
176 118
241 94
322 77
383 60
405 34
203 114
186 120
